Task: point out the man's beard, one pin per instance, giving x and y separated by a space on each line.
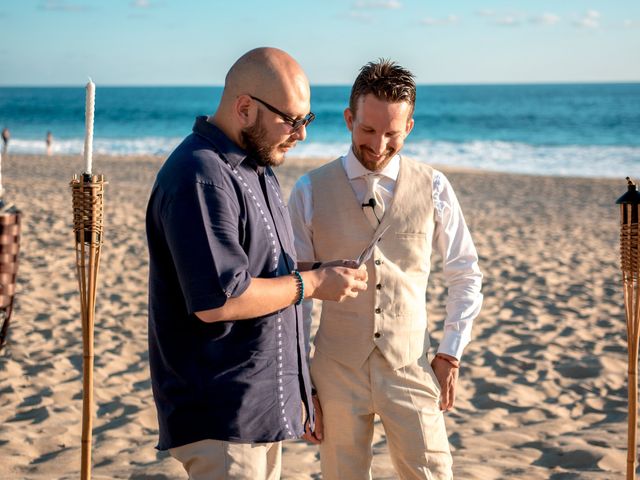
256 145
373 165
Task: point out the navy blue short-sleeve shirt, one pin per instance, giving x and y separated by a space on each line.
215 220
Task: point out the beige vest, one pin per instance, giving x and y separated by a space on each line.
391 314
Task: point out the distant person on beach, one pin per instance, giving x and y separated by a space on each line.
371 351
6 135
226 349
49 142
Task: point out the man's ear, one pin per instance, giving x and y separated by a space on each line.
410 124
348 118
245 111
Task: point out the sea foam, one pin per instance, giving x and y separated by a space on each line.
566 160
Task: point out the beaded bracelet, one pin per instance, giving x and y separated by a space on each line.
453 363
300 285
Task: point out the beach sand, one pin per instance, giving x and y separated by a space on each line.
542 393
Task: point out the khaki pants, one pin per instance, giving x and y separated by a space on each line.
218 460
406 401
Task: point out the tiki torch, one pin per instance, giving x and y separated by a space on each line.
9 248
630 264
87 195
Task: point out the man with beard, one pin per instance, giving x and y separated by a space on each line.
226 346
371 351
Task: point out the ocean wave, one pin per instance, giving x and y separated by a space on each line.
568 160
512 157
101 146
564 160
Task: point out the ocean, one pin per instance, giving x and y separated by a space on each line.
584 130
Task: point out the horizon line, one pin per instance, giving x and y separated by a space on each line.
450 84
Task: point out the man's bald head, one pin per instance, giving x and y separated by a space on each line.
267 73
265 93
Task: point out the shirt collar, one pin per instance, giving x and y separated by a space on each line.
225 147
354 168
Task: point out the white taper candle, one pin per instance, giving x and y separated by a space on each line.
88 138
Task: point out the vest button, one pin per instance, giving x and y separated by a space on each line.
377 334
378 262
378 286
378 310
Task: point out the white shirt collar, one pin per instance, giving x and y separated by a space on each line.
354 168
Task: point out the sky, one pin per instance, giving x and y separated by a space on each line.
194 42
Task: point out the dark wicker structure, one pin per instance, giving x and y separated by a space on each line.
9 250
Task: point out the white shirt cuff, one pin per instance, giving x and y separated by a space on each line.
452 344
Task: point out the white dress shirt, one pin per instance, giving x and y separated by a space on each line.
451 239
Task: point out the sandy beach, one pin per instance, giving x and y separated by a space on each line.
542 393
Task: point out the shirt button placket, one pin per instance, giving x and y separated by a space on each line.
274 253
279 374
378 310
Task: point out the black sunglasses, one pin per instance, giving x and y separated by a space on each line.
295 124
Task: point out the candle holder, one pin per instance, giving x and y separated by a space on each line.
88 217
9 248
630 265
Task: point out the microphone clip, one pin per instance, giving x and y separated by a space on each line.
371 203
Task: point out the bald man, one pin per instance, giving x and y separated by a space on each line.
226 345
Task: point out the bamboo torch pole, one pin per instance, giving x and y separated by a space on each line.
630 265
87 193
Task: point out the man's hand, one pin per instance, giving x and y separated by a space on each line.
335 283
447 375
316 435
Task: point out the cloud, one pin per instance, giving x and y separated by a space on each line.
360 16
508 21
361 9
62 6
485 13
517 19
144 4
448 20
375 4
591 19
502 19
546 19
631 24
143 8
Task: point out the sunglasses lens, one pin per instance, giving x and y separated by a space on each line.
296 124
306 120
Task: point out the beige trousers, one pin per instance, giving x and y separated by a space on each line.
219 460
406 401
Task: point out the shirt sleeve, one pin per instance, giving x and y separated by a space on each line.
460 266
202 230
301 213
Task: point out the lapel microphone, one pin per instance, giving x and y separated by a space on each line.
372 203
